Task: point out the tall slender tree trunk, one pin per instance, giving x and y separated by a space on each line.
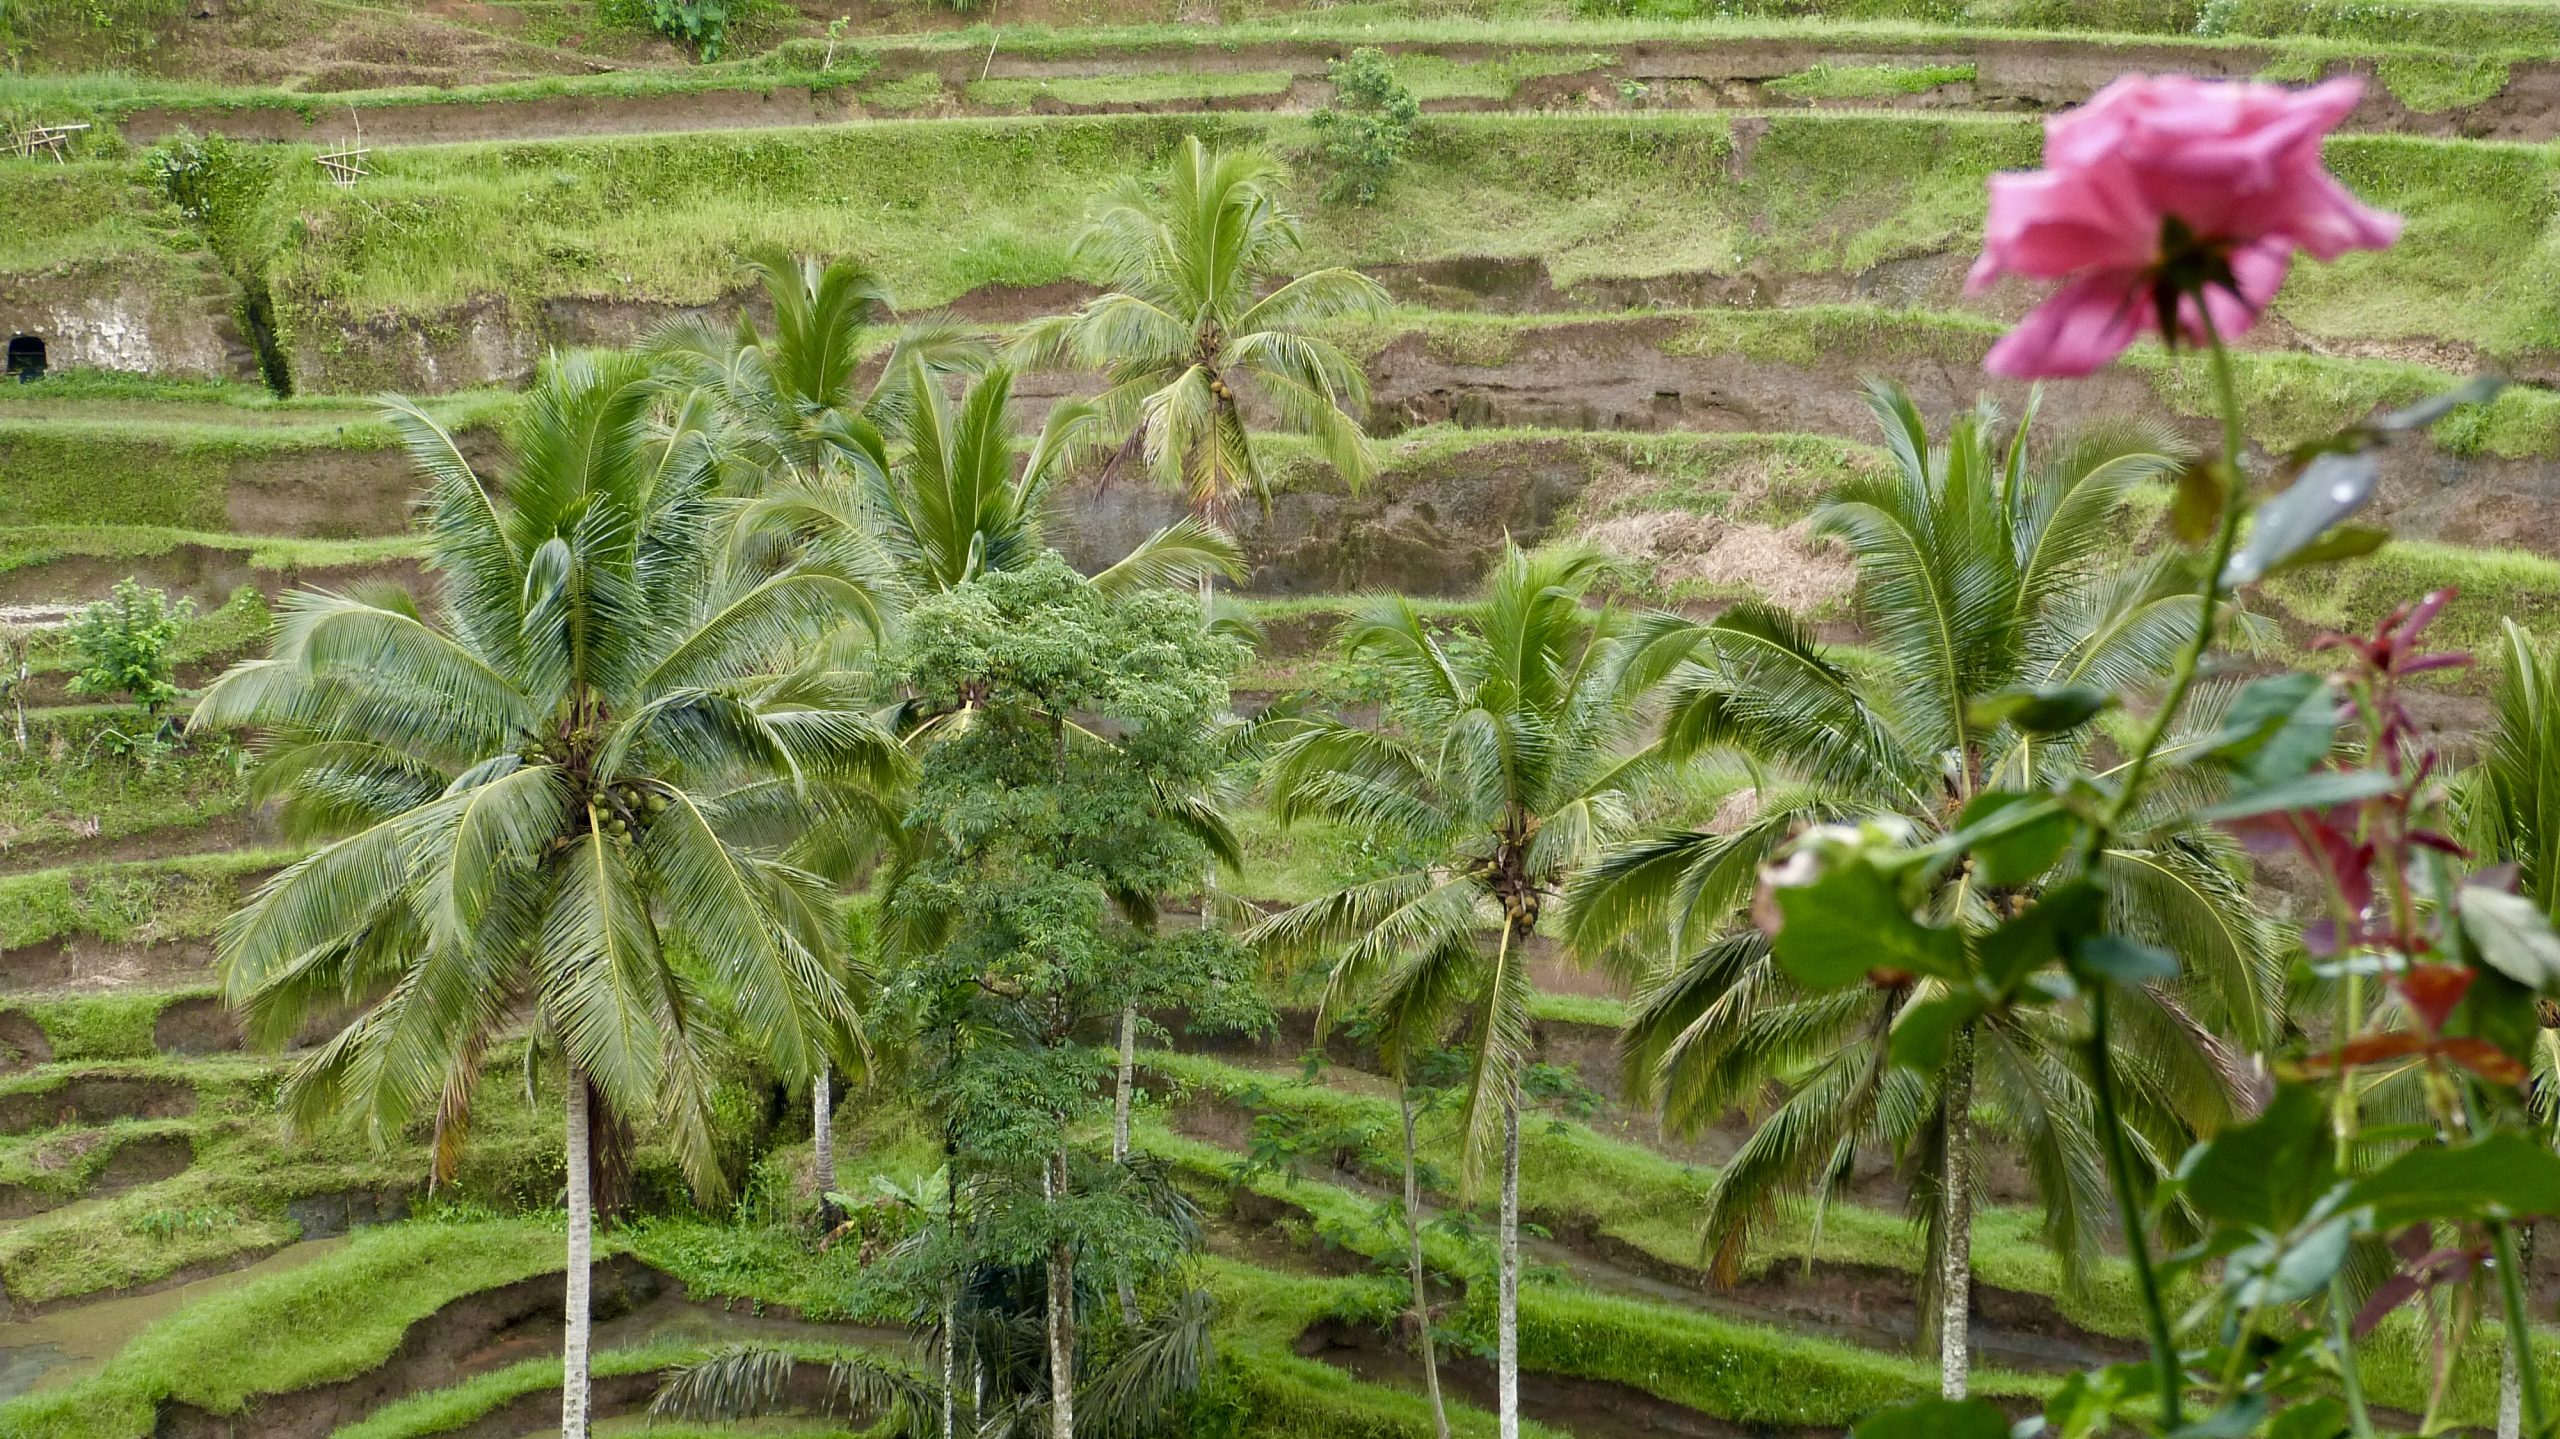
2510 1379
822 1142
580 1277
1062 1318
1120 1104
1413 1258
1507 1315
1121 1101
1955 1222
951 1362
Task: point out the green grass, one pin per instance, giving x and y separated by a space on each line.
456 1406
1745 1373
2492 585
120 463
1868 82
662 217
1434 77
1078 92
116 1024
138 902
65 1163
233 1201
345 1312
71 784
1652 1204
28 546
91 212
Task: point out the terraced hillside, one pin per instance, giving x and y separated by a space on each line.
1641 256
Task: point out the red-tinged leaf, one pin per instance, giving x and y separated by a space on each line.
2371 1049
2421 615
2375 1048
2431 660
2443 844
2390 1294
2320 939
2432 991
2412 1243
2481 1058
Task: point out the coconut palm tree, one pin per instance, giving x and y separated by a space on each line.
962 498
794 401
1505 757
2510 808
1981 574
1193 352
535 792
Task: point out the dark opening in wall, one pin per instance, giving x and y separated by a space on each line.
26 358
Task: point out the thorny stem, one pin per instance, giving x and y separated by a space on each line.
2164 1345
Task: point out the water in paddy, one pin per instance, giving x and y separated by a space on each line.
54 1349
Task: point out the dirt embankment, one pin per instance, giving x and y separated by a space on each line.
87 963
94 1099
457 1339
1584 1408
2009 73
136 1162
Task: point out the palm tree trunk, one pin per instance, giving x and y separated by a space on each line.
1120 1102
822 1142
1955 1222
579 1277
2510 1379
1062 1318
1120 1132
1507 1314
950 1362
1413 1259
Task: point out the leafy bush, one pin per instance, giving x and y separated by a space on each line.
1368 128
127 645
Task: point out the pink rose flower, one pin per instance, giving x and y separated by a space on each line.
2159 190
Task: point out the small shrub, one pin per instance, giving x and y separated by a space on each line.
1368 127
185 167
167 1224
127 645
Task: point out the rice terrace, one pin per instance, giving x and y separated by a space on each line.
1263 719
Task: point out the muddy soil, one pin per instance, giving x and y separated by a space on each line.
135 1163
458 1339
225 832
94 1099
1855 1303
23 1042
1584 1408
206 574
67 1341
87 963
1616 375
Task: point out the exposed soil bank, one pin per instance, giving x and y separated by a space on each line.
67 1341
1584 1408
86 963
1858 1304
455 1339
94 1099
207 574
23 1043
135 1163
2009 73
225 832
